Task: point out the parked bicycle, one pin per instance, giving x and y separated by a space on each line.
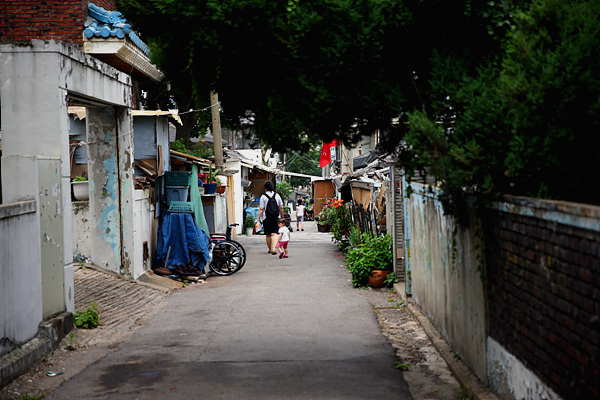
228 255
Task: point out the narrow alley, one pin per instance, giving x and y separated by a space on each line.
278 329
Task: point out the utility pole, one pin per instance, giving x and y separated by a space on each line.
216 124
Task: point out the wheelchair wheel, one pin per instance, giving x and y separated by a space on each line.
227 258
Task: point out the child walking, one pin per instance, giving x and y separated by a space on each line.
300 215
284 239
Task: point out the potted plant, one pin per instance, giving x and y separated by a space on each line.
81 190
341 222
249 193
325 219
220 186
249 224
210 187
371 261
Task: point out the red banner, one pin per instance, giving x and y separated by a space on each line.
326 152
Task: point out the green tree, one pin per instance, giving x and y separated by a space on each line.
319 69
518 119
306 163
551 90
284 190
488 96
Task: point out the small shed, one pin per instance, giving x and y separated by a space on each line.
151 141
323 192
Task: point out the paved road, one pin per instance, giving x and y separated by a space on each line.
278 329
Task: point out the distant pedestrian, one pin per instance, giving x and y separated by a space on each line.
300 215
271 206
284 239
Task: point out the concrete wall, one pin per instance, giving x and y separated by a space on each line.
445 278
144 233
82 247
20 274
529 327
38 80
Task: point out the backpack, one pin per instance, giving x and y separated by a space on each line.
272 209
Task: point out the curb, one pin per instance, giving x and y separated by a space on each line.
476 390
50 333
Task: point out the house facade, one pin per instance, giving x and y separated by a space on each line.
43 73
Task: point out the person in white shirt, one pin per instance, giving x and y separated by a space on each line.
284 239
270 217
300 215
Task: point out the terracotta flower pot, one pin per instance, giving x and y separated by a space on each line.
323 227
377 278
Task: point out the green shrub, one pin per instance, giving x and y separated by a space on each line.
341 222
374 253
89 318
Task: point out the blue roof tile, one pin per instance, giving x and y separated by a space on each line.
104 24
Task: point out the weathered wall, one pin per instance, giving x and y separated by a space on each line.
445 277
543 269
82 248
144 232
19 274
38 80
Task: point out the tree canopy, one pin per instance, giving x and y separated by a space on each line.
496 96
317 69
522 120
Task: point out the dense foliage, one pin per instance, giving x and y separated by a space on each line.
341 222
373 253
284 190
489 97
303 162
298 68
520 120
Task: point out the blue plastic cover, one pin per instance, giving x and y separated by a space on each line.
189 244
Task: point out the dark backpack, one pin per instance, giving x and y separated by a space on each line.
272 209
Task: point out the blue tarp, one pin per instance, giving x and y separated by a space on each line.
189 244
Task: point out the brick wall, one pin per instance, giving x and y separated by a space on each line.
52 19
543 292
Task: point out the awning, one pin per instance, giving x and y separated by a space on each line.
80 112
190 159
157 113
312 177
249 164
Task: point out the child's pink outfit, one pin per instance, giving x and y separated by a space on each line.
284 239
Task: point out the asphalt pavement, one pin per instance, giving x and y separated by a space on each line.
290 328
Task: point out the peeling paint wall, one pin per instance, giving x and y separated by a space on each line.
81 220
511 379
445 280
38 80
144 233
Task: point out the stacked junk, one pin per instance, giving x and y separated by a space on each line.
183 247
